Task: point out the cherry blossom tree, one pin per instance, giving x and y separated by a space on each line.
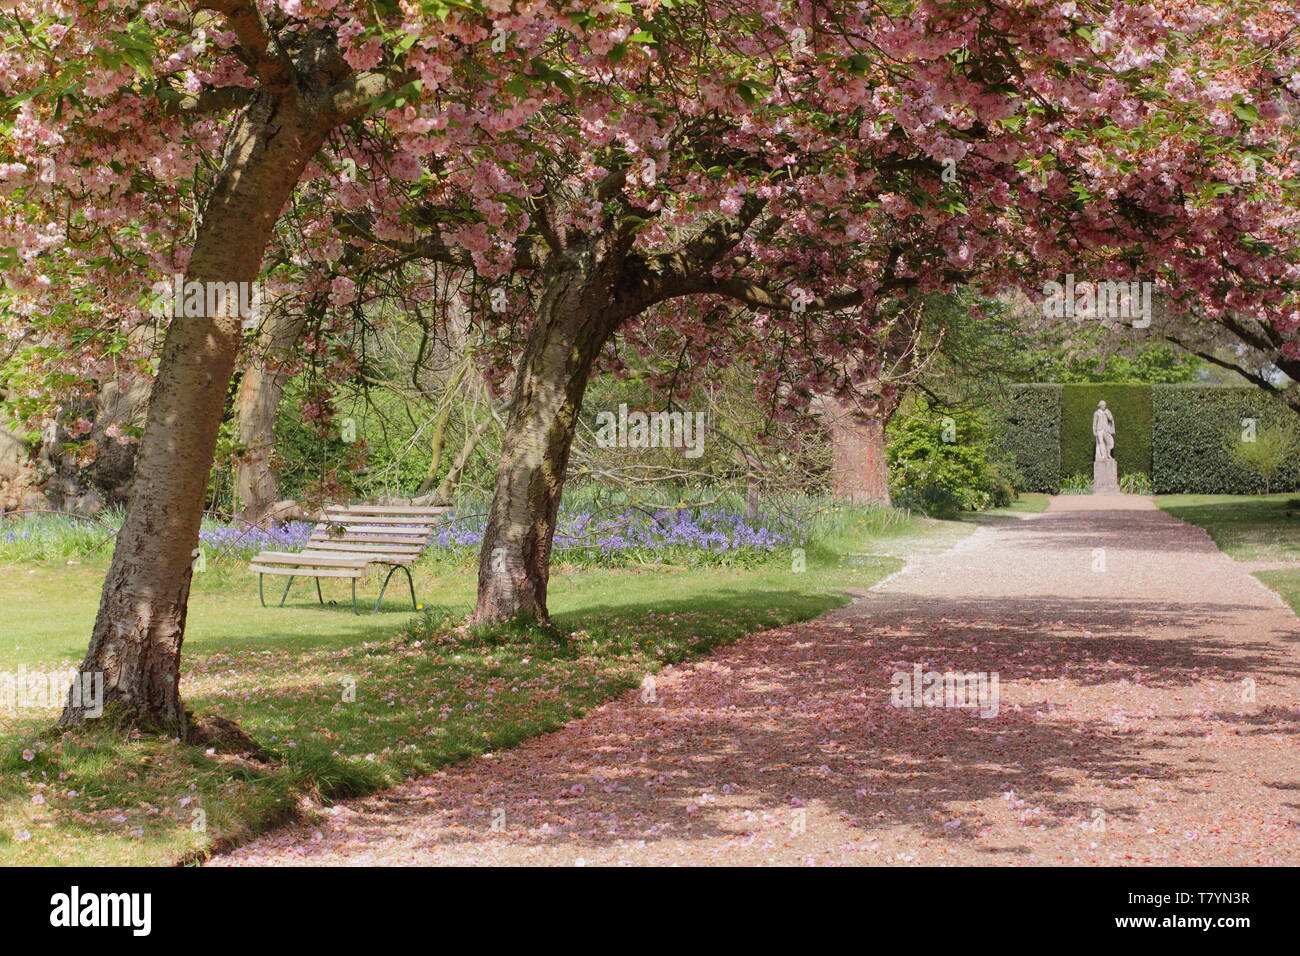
762 179
766 180
145 140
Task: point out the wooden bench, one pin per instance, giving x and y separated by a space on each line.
348 541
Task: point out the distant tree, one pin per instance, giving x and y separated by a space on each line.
1271 448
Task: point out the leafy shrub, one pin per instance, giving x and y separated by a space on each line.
1076 485
944 463
1135 483
1272 446
932 500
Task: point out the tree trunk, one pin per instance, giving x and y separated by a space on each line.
751 488
859 471
257 487
447 489
437 444
17 473
114 466
70 485
136 642
572 326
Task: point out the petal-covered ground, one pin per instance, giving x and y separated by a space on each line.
1148 712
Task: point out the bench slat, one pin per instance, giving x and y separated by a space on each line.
308 572
372 544
361 522
368 547
380 521
306 557
354 532
369 543
389 509
366 557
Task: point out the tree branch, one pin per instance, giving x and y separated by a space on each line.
216 100
1255 378
760 296
258 43
713 242
351 97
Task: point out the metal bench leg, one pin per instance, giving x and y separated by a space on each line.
286 590
355 609
319 596
261 596
410 583
387 578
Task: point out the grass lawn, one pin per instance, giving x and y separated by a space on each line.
1286 583
1027 503
1249 528
346 704
1245 527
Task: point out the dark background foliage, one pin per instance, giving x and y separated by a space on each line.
1131 406
1030 435
1194 427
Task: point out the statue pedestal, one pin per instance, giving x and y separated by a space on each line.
1105 477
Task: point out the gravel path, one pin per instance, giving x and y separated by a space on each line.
1126 648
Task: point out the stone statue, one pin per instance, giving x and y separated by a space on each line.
1103 428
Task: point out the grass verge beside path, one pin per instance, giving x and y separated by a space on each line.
1253 528
1027 503
1285 583
347 705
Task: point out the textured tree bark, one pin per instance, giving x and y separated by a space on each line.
260 392
572 326
859 469
68 484
17 473
861 473
137 637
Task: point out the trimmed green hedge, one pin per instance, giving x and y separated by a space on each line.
1180 435
1192 435
1030 434
1131 407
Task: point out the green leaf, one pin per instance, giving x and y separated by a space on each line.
141 61
22 97
858 64
1246 112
